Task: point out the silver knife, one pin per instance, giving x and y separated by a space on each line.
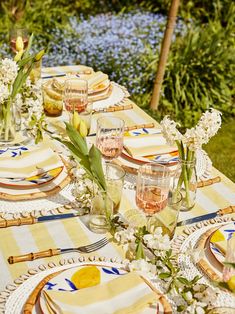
221 212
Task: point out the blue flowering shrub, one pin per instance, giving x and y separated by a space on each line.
120 45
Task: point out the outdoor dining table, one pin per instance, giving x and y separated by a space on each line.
73 232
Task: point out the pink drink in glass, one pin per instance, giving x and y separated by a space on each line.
151 199
110 147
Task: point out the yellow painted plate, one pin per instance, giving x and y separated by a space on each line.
33 181
218 241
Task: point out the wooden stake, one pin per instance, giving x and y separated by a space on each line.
166 43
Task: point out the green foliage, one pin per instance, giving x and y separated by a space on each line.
221 149
90 160
200 73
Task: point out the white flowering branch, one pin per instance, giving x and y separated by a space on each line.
189 296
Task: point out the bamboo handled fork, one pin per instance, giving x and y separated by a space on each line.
52 252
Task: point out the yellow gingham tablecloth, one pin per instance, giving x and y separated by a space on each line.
73 232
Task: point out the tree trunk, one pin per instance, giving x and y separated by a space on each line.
166 43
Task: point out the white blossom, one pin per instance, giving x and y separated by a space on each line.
206 296
195 308
4 92
84 188
170 131
210 122
195 254
157 241
195 137
199 310
125 236
143 266
188 296
8 71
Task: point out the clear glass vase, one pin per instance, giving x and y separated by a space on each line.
101 213
185 182
7 122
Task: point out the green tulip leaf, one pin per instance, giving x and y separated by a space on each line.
75 137
96 166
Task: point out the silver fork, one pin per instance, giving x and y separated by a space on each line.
52 252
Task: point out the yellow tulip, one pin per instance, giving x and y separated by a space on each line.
18 55
19 43
76 120
231 283
83 130
39 55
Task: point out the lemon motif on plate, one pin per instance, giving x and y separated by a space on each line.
217 237
86 277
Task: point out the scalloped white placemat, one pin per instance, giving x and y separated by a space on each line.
64 197
117 97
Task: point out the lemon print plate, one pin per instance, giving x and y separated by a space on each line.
218 241
33 181
82 277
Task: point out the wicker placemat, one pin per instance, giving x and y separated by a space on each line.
208 264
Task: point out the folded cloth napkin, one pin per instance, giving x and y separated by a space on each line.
127 294
146 145
30 163
220 241
96 79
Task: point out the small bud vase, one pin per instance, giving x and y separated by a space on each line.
101 213
7 121
185 182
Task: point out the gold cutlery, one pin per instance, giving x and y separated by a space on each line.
211 181
113 108
219 213
5 223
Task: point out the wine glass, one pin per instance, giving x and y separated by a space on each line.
75 95
16 33
109 137
153 183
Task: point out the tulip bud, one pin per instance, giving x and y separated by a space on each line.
19 43
39 55
18 55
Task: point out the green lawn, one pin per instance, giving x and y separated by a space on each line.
221 150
